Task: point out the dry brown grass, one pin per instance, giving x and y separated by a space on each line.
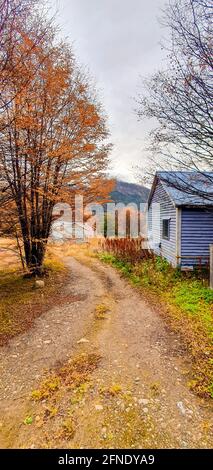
9 256
126 249
70 248
20 302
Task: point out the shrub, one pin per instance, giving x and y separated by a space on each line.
127 249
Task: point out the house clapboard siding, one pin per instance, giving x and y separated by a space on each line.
167 210
186 199
196 234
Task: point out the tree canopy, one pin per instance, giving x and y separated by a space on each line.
53 136
179 96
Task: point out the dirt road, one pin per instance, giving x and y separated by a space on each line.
136 395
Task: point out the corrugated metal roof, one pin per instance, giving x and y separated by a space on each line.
188 188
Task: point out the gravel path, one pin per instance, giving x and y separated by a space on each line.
143 363
51 339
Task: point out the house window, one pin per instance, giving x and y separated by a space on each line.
166 229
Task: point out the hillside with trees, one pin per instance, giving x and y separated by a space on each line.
129 193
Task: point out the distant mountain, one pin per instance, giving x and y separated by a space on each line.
129 192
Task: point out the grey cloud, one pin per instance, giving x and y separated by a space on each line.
118 40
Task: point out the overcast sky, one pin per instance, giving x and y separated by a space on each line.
119 41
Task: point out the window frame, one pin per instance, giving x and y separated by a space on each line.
168 220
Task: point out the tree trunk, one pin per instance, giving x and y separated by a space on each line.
34 255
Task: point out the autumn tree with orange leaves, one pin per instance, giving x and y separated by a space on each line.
53 140
18 18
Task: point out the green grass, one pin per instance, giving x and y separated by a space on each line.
196 300
191 295
189 308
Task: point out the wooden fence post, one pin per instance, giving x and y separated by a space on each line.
211 266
